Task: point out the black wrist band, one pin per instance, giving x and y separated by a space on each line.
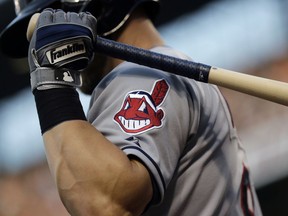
57 105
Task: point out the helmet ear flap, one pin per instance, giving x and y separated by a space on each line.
114 13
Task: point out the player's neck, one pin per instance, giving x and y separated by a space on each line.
139 32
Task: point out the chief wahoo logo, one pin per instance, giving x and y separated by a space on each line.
140 110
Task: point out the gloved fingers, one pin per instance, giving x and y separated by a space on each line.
59 16
45 18
51 16
83 18
89 19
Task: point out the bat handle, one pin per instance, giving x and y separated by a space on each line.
193 70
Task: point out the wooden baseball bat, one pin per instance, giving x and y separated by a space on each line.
271 90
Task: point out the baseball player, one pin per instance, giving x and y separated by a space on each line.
152 143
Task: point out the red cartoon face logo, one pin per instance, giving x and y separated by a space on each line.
140 110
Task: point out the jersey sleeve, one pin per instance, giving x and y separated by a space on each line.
145 113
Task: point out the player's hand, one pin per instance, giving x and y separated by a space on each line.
61 46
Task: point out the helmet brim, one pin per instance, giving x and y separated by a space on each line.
13 42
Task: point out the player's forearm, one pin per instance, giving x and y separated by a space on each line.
93 176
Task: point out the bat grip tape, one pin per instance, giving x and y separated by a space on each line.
182 67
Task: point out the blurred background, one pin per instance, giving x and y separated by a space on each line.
249 36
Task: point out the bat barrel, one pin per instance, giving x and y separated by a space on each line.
271 90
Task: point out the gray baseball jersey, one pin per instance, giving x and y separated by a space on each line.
182 131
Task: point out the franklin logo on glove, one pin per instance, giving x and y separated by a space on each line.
65 52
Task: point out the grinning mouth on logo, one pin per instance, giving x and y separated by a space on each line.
132 124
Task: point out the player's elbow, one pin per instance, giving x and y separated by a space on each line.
128 193
78 201
79 204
